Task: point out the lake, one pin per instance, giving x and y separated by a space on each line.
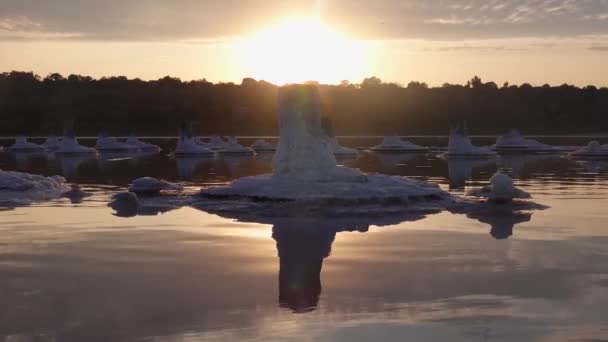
76 272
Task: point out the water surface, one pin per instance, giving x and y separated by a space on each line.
76 272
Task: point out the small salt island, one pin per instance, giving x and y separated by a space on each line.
460 146
152 186
592 150
394 144
22 145
517 143
19 188
305 170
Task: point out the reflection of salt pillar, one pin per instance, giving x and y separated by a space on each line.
301 253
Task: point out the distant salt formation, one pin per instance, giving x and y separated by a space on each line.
232 146
112 145
460 145
500 190
304 168
396 144
515 142
152 186
187 145
70 145
593 149
18 188
52 143
143 146
262 145
22 145
216 143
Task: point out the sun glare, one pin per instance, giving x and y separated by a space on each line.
302 49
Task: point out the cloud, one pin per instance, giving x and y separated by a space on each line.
193 20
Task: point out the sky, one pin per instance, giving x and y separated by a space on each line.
438 41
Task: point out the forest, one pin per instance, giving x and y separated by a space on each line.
33 105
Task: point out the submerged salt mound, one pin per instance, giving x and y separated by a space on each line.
396 144
501 189
128 204
22 145
514 141
149 185
593 149
18 188
70 145
460 146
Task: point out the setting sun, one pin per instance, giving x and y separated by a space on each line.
302 49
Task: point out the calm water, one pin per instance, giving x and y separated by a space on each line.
78 273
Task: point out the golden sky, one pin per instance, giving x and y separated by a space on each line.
516 41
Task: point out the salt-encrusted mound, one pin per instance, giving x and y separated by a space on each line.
22 145
501 189
460 145
396 144
18 188
304 168
593 149
52 143
188 146
70 145
515 142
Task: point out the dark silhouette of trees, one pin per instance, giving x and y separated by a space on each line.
30 104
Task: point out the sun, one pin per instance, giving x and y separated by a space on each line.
302 49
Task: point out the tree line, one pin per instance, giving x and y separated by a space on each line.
32 105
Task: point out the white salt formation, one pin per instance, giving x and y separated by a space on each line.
152 186
216 143
143 146
304 168
262 145
593 149
187 145
112 145
460 145
70 145
396 144
515 142
52 143
18 188
22 145
501 189
233 147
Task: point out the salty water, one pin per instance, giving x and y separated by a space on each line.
76 272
